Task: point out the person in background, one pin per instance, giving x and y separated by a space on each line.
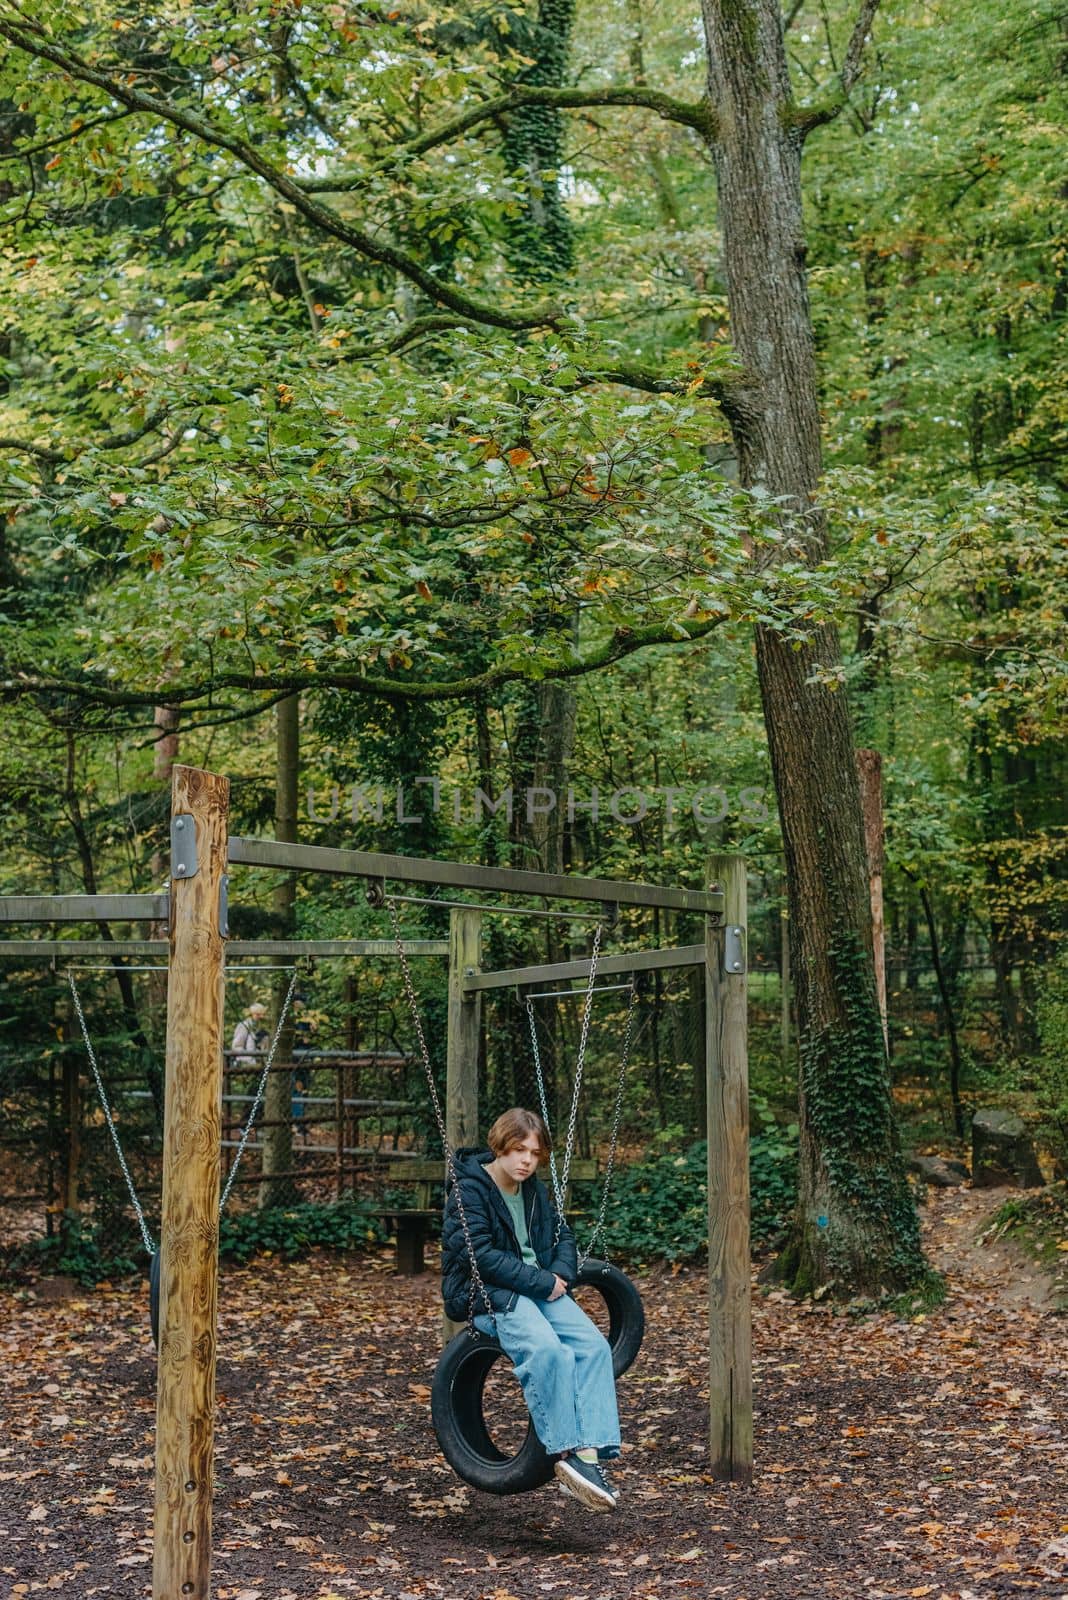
250 1036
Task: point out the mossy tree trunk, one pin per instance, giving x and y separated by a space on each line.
539 242
539 249
856 1226
278 1129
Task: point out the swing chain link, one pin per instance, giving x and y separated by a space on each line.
260 1092
617 1116
580 1067
558 1193
109 1116
478 1288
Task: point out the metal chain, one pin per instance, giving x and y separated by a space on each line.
260 1092
477 1286
109 1117
617 1114
610 1165
558 1193
580 1067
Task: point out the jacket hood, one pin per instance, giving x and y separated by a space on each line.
471 1162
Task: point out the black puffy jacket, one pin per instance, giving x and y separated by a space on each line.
504 1272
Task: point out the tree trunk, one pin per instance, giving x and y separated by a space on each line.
870 773
539 241
277 1131
855 1226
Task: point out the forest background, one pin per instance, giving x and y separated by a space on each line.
371 394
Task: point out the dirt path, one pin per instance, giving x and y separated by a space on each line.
925 1458
955 1223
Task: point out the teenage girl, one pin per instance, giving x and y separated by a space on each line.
527 1260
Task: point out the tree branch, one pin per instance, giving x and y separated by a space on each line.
417 328
808 117
33 41
651 382
622 643
64 138
692 114
113 441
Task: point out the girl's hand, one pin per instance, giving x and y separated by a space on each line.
561 1287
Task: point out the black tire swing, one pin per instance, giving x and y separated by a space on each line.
458 1389
151 1248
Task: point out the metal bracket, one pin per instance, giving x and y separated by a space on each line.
734 951
224 906
184 862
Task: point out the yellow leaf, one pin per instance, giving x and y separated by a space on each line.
520 457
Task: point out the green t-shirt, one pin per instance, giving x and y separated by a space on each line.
514 1202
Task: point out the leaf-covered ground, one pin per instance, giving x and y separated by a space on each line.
925 1458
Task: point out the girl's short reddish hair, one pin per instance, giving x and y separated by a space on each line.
512 1128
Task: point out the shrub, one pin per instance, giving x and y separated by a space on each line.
82 1250
658 1209
288 1231
1050 1069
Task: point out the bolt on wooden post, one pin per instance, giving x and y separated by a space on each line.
727 1066
185 1396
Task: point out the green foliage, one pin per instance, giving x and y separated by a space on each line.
240 449
84 1250
289 1231
1049 1069
658 1210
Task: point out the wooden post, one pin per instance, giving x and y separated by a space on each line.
465 1022
185 1405
464 1028
730 1331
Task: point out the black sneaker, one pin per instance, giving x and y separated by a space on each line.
582 1480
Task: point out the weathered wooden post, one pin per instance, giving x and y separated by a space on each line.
464 1027
185 1404
465 1021
729 1319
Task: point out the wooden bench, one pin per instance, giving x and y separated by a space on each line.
411 1224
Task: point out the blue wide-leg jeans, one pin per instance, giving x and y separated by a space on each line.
564 1366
